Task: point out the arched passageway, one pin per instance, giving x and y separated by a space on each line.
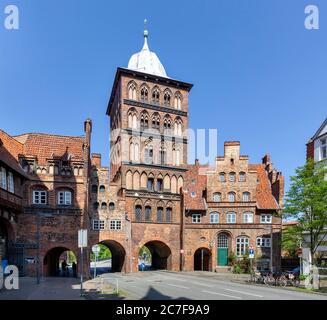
116 257
160 256
202 259
59 261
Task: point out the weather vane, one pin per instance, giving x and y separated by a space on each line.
146 32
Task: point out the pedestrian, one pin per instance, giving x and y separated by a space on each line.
64 267
74 267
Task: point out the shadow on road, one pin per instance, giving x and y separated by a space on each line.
154 294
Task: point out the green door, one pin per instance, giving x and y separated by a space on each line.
222 256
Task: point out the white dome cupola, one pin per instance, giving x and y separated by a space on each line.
146 61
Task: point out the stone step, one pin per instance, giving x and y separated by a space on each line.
223 269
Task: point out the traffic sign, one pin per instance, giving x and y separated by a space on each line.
96 249
251 246
251 256
82 238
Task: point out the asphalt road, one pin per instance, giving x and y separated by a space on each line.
162 285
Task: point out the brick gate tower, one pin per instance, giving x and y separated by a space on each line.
148 155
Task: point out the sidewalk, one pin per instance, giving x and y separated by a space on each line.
48 289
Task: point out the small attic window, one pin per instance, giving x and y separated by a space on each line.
193 181
232 161
193 194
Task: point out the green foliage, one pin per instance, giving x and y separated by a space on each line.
145 250
290 241
71 257
232 259
242 265
306 202
103 254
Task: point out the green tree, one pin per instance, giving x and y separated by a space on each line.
290 241
306 202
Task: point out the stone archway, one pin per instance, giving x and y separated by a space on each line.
161 256
52 262
202 259
118 254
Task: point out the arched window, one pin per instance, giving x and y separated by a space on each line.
133 151
232 176
96 205
176 156
167 123
156 121
150 184
138 213
111 206
214 217
231 196
147 213
217 197
178 100
144 94
144 121
159 214
132 119
167 99
103 206
169 214
248 217
148 155
222 240
178 127
156 96
242 244
242 176
132 91
231 217
102 188
222 177
64 198
162 154
246 196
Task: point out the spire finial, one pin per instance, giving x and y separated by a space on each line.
146 32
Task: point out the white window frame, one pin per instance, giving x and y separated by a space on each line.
196 218
228 217
3 178
242 245
263 242
115 224
231 194
64 198
246 216
222 177
266 218
38 195
246 196
214 217
11 185
98 224
232 177
242 176
217 197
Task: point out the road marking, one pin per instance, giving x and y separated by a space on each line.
202 284
170 278
174 285
247 293
221 294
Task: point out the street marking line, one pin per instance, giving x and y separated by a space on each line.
221 294
202 284
247 293
174 285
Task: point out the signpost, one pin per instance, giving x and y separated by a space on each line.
95 249
251 257
82 243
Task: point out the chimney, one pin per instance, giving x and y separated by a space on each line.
88 130
96 160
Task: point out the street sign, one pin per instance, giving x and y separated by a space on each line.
251 253
96 249
251 246
82 238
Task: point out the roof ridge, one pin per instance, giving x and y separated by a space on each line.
47 134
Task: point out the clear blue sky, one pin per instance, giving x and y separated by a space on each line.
259 76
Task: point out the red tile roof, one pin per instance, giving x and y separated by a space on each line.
47 146
9 151
265 198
